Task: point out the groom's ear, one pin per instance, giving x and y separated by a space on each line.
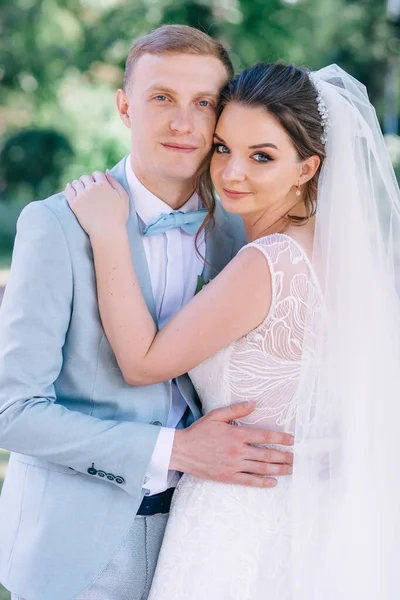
124 107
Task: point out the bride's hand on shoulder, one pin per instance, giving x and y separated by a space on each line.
99 202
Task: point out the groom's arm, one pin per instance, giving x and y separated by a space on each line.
34 320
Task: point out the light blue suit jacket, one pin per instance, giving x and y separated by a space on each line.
81 438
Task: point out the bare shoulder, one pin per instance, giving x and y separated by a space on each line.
249 264
245 281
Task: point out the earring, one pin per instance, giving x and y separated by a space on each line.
298 192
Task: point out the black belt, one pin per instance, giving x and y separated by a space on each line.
156 504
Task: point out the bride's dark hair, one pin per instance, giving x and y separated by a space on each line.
288 93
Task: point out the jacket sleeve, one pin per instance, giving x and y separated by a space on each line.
34 320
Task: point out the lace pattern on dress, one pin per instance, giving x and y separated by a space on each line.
265 364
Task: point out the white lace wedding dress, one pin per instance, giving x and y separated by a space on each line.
230 542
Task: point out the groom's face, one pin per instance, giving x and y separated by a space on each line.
171 110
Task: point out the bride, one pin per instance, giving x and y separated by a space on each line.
304 322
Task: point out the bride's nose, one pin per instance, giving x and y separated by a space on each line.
234 171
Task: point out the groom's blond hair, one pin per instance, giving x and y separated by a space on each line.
176 39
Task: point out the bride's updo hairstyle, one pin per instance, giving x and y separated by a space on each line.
288 93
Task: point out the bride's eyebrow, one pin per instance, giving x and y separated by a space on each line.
219 139
256 147
265 145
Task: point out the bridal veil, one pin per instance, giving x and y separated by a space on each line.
346 481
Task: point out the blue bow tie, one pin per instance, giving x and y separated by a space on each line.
190 222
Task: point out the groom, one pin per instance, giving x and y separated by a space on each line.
94 461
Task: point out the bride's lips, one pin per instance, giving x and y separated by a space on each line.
185 148
234 195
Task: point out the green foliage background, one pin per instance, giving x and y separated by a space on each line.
62 60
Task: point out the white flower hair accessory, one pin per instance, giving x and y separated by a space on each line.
322 109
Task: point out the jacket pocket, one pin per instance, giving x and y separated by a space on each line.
44 464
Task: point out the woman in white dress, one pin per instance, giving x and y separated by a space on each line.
304 322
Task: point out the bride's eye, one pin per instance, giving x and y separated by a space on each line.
221 149
261 157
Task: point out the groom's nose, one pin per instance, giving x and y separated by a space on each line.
182 120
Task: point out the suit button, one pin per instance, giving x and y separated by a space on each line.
92 470
119 480
156 423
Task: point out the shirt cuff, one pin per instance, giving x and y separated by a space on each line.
156 480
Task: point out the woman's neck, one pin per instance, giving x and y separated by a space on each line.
272 221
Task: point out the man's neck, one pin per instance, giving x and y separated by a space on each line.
173 193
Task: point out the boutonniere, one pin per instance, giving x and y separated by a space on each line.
201 282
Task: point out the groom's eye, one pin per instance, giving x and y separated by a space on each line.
160 97
205 103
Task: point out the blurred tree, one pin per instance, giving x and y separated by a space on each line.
352 33
196 14
61 61
392 87
360 44
264 30
31 163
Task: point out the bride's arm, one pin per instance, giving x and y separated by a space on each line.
230 306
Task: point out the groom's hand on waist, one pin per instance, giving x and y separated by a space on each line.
214 449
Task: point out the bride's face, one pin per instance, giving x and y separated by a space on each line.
255 167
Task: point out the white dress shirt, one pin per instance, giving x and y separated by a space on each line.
174 267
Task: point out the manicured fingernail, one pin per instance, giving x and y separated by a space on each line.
290 470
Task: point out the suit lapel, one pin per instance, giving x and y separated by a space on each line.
137 249
219 246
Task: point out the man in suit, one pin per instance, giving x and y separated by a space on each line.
94 461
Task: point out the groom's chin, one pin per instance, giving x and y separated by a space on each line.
181 164
182 172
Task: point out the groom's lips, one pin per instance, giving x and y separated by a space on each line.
234 195
186 149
